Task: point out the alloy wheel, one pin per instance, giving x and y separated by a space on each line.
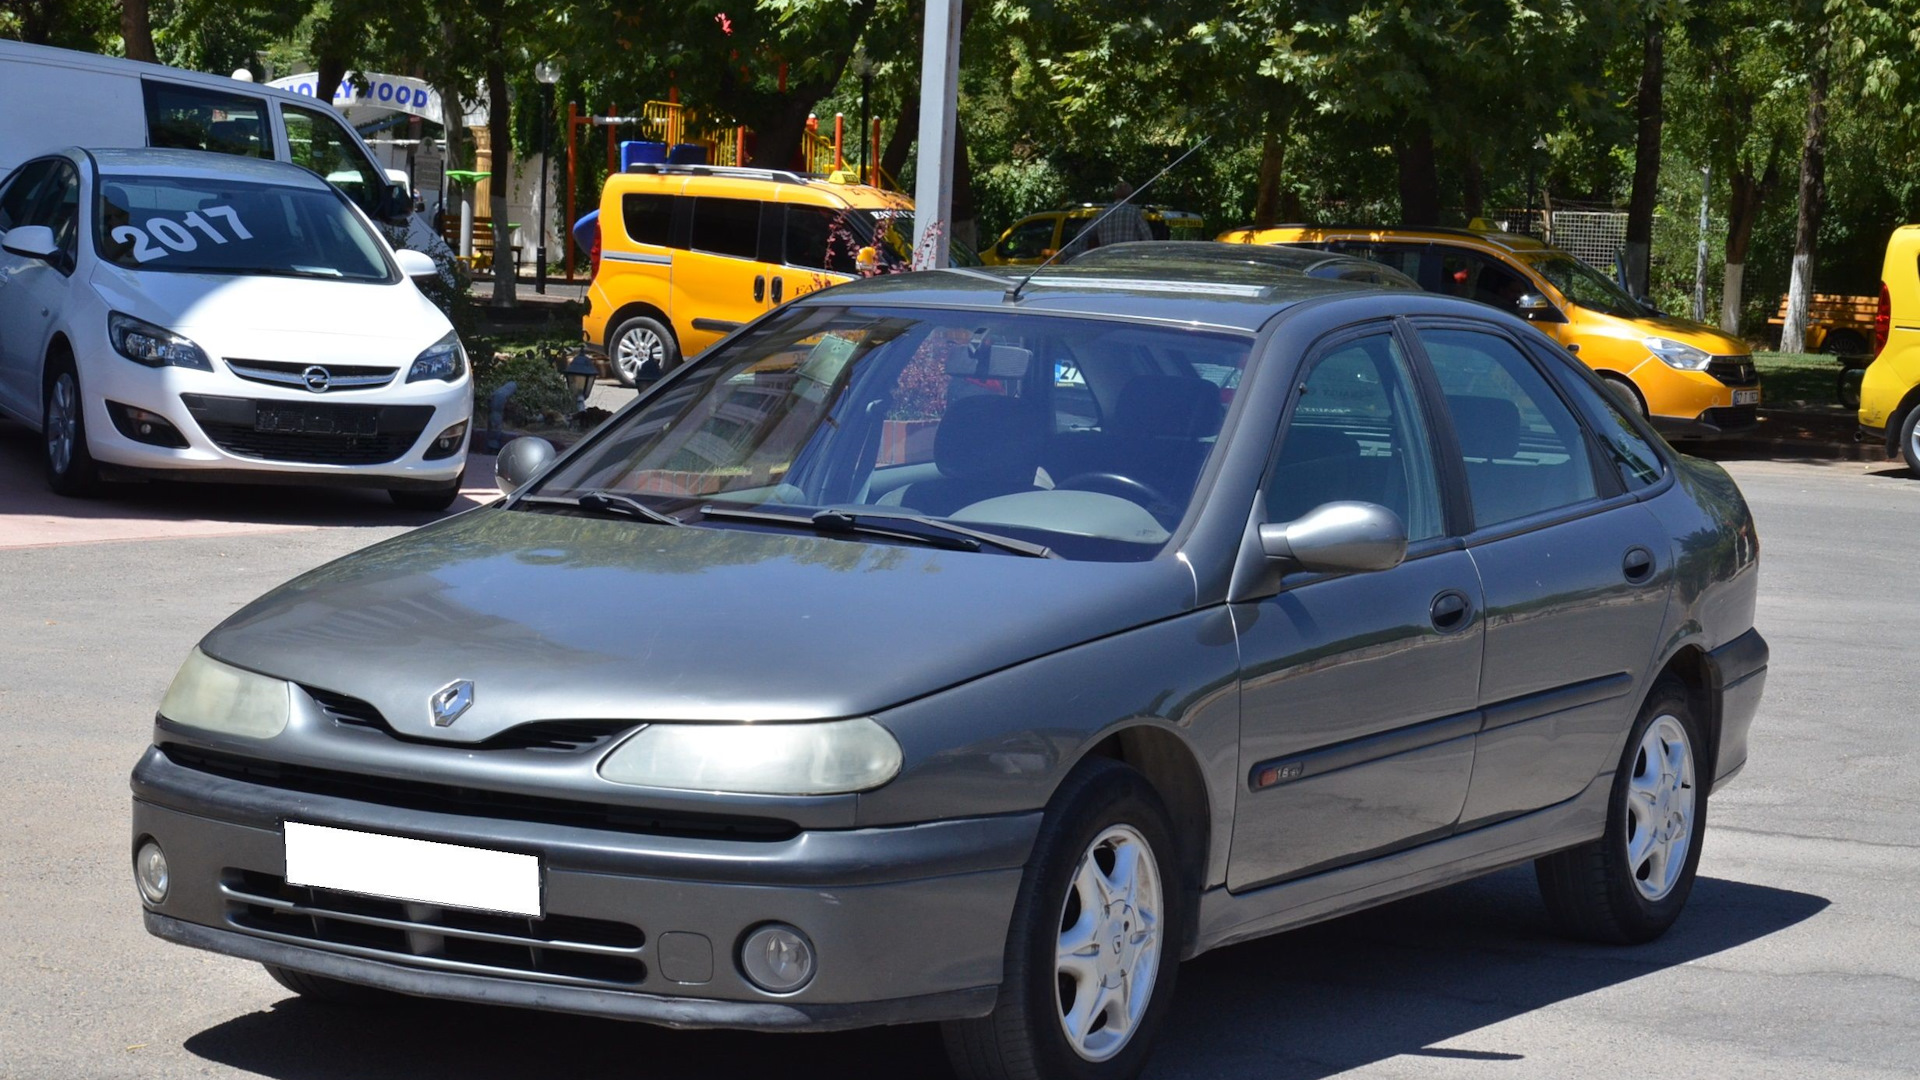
1660 808
635 349
63 422
1108 952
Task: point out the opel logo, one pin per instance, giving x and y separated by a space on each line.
317 378
451 701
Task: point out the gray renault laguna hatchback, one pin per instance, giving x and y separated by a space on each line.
943 649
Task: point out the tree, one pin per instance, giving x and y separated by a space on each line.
136 30
1649 117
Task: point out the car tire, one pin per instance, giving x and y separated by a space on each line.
1103 816
430 499
1623 889
71 470
1845 343
1910 439
327 991
1624 390
642 350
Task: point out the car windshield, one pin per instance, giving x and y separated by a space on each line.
220 226
1586 286
1084 436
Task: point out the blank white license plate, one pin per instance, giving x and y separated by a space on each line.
420 870
1746 397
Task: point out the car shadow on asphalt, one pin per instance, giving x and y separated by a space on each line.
1393 981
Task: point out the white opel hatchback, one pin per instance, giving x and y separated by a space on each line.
184 315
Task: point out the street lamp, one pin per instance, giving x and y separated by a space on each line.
580 373
546 73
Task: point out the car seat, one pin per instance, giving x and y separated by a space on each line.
986 446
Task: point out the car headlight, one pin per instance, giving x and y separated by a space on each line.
818 758
444 360
155 346
220 697
1679 354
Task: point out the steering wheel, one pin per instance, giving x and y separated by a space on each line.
1112 483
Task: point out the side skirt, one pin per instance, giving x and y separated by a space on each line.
1226 918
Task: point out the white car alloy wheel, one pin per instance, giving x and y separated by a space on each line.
1109 946
1659 808
63 422
635 349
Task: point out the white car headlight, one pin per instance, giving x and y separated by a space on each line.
819 758
1678 354
444 360
155 346
220 697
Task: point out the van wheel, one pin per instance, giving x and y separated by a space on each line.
642 350
1094 942
1624 389
327 991
1629 886
1910 439
1845 343
71 470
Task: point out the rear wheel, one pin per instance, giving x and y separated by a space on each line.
431 499
327 991
642 350
1910 439
63 424
1094 942
1845 343
1629 886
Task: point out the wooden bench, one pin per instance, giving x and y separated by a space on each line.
482 258
1837 324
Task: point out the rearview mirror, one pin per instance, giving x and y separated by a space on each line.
416 264
32 241
1339 538
520 461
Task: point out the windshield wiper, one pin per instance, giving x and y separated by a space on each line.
610 502
897 526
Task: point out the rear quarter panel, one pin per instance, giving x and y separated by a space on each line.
1716 557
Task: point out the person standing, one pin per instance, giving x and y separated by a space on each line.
1124 223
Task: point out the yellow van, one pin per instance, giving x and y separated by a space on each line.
1890 392
690 252
1692 381
1035 238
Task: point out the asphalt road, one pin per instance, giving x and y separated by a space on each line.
1798 957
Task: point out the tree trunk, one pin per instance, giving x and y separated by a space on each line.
1813 185
900 140
1646 157
136 30
778 134
1419 177
329 70
965 220
500 140
1743 210
1473 186
1273 161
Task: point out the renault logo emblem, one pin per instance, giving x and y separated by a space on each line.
317 378
451 701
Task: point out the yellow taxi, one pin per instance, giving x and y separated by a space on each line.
1890 392
688 253
1035 238
1692 381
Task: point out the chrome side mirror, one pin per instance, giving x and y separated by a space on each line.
1530 304
1339 538
31 241
520 461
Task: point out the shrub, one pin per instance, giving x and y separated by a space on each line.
541 394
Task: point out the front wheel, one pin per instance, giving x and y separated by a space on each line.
63 425
1094 943
1629 886
1910 439
327 991
642 350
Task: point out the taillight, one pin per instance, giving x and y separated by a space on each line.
1882 320
593 259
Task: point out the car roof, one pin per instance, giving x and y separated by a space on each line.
1156 252
1295 233
1222 296
197 164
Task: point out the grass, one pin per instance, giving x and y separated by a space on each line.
1804 380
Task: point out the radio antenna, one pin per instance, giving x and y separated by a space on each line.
1013 293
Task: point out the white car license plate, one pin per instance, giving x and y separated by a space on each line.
420 870
1746 397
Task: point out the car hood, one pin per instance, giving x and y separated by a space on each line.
278 318
1698 335
557 617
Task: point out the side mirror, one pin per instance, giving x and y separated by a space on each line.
395 205
1530 304
520 461
416 264
32 241
1339 538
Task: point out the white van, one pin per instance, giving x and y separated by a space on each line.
55 98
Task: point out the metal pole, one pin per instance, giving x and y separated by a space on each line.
573 121
546 179
1700 260
939 97
866 123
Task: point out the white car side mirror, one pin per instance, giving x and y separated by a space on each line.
32 241
416 264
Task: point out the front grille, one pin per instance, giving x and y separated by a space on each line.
309 432
546 736
479 802
1734 370
1733 418
318 378
557 948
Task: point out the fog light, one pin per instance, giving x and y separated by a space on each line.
447 443
777 958
150 873
143 426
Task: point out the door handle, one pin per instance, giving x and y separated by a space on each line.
1451 611
759 287
1638 565
779 286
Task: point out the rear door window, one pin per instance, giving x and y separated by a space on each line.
728 227
1474 276
1416 260
195 118
317 141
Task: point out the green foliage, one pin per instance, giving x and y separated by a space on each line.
542 391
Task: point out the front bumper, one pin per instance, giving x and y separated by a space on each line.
1726 421
908 923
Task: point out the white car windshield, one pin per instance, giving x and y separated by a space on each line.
221 226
